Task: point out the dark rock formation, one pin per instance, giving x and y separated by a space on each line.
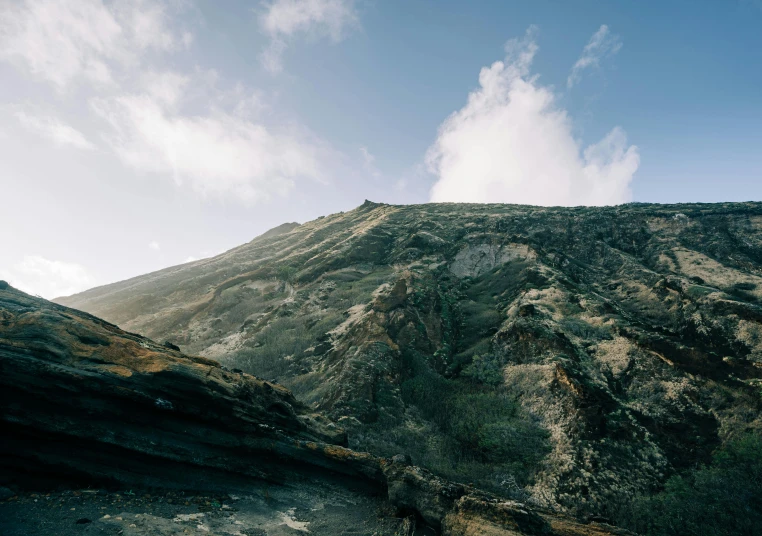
84 402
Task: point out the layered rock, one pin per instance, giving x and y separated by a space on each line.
84 402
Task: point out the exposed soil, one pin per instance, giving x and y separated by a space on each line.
307 507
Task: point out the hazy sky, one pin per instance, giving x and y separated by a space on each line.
138 134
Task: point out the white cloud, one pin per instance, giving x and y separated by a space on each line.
601 45
154 245
369 162
511 143
287 17
179 124
146 24
217 153
65 40
272 56
166 87
283 19
367 156
53 129
49 279
248 105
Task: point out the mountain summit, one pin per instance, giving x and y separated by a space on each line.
568 356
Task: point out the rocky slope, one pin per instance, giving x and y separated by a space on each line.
568 356
85 403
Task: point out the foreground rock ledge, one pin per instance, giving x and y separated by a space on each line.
83 402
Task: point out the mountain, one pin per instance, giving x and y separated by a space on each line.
571 357
87 404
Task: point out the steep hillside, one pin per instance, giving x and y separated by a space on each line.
573 357
83 403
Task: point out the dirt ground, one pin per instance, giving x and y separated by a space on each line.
313 507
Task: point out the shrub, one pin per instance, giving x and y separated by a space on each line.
486 369
265 355
722 499
490 427
483 431
743 291
285 272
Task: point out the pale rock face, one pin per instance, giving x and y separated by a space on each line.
473 261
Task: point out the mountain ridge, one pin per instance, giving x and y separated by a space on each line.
578 355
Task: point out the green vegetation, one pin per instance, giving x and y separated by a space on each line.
743 291
486 369
721 499
286 273
483 435
269 353
274 346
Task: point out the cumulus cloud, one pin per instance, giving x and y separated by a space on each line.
154 245
63 41
53 129
217 153
49 279
601 45
177 124
283 19
512 143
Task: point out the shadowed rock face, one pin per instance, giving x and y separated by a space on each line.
89 392
630 337
84 402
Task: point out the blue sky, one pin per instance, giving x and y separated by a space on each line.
143 133
686 85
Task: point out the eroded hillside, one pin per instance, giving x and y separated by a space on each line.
570 356
95 414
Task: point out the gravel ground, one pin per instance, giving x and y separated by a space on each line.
311 507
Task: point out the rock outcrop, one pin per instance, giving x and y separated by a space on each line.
630 336
84 402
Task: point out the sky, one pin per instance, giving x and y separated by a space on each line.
141 134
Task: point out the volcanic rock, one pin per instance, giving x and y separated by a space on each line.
86 403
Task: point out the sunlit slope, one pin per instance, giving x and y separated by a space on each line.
573 354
